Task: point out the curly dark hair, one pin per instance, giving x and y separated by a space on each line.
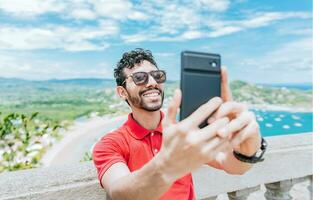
129 60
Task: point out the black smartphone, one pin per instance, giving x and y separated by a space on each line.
200 80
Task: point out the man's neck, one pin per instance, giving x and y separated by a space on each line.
148 120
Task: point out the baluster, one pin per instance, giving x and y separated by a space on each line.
278 190
242 194
310 187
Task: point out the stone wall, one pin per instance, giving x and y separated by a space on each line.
288 158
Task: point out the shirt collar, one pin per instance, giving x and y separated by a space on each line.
139 132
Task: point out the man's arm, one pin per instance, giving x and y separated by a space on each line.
146 183
185 147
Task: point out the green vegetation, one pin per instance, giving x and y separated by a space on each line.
58 101
64 100
24 139
87 157
256 95
35 113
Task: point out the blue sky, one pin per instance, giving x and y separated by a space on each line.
259 41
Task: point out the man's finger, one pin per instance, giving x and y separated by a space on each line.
204 111
228 109
212 145
170 117
210 131
225 90
236 125
244 134
224 146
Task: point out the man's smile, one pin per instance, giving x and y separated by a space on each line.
151 93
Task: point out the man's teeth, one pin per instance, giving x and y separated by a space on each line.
151 94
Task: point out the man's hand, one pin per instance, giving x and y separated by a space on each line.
186 147
243 131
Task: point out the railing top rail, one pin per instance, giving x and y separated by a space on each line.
289 156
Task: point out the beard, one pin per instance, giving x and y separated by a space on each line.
139 101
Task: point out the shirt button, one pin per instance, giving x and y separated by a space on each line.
155 151
152 134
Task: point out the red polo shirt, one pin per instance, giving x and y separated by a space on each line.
135 146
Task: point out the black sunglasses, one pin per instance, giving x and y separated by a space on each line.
142 78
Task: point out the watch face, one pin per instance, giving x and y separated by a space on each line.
263 144
263 149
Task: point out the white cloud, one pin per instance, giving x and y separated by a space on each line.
83 13
221 28
170 22
226 30
85 46
291 57
136 38
77 9
57 37
137 15
178 23
157 21
188 35
257 20
175 18
39 69
117 9
31 7
10 66
263 19
147 36
214 5
163 54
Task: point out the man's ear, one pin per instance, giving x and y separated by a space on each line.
121 91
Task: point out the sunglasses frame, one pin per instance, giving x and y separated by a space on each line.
146 81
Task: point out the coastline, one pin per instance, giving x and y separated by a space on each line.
83 123
269 107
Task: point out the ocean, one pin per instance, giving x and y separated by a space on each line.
298 86
283 123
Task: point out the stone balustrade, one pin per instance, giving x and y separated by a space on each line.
288 162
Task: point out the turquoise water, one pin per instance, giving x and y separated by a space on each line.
283 123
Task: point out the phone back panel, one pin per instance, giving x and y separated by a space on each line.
200 80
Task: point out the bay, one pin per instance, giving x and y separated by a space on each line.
283 123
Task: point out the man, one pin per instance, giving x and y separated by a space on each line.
151 155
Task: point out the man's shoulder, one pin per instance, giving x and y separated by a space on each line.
113 139
117 134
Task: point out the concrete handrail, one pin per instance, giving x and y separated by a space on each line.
288 157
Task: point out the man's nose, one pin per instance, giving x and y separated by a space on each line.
151 81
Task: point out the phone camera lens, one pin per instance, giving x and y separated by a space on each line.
213 64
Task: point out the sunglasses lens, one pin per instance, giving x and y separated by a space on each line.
140 78
159 76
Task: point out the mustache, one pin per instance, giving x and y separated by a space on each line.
143 91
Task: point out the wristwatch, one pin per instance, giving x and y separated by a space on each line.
257 157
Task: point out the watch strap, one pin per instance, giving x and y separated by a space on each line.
255 158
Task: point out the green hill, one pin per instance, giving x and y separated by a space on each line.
257 94
69 99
